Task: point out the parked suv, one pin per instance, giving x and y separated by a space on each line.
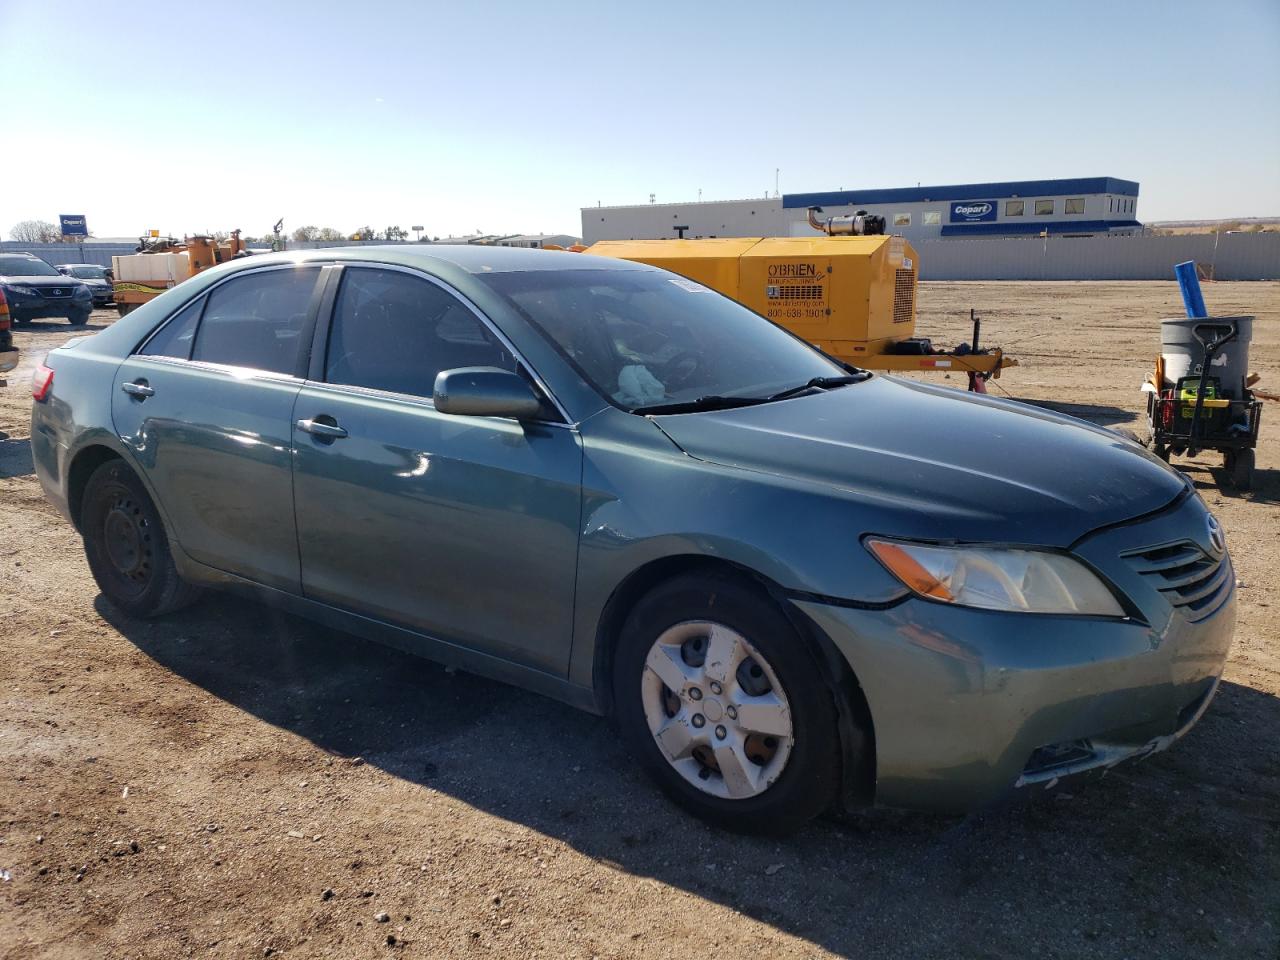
97 277
35 290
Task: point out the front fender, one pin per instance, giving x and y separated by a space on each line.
645 501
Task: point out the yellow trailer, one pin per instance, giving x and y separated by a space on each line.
853 297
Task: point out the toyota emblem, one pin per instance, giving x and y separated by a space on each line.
1217 539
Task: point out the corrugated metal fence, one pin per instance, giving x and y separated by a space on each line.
1230 256
59 253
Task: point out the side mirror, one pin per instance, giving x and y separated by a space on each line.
485 392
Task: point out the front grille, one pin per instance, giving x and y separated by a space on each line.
54 293
904 296
1190 579
805 291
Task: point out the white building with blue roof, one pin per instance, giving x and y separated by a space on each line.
1083 206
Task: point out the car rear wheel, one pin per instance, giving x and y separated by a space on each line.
726 706
126 545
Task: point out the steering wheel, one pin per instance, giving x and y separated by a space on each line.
677 370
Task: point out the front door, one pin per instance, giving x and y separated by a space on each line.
462 528
206 407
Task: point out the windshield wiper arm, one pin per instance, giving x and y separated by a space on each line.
710 402
824 383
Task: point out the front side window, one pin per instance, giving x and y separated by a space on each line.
393 331
175 337
646 338
1044 208
1075 205
1013 208
258 320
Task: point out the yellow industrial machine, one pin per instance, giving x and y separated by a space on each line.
163 262
853 297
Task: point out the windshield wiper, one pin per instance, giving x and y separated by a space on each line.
824 383
711 402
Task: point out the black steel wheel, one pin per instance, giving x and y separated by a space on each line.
126 544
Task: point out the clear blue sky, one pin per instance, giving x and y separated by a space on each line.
511 116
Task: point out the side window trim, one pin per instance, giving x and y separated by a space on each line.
316 373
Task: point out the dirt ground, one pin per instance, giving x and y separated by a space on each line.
231 782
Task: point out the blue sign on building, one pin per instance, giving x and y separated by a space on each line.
972 211
73 224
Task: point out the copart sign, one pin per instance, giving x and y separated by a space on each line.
972 211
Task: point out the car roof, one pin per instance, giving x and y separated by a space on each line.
98 265
473 258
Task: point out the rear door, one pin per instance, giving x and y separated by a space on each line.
206 406
462 528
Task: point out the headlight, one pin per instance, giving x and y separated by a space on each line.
993 578
25 291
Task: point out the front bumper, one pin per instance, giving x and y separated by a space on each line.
967 704
35 309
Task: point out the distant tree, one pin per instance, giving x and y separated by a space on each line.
304 234
35 231
328 233
365 233
396 233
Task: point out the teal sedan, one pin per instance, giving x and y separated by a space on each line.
794 584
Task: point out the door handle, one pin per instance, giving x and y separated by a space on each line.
138 388
320 429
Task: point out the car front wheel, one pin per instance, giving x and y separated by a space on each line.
726 706
126 545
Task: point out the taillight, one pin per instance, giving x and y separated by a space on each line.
41 383
4 311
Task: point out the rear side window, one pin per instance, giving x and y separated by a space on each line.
395 332
258 320
174 338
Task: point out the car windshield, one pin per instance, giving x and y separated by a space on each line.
87 271
647 338
25 267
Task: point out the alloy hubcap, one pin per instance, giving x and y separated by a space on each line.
716 709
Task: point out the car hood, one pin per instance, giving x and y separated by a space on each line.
934 463
58 281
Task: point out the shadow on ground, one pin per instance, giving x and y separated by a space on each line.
57 325
1101 414
1173 856
15 457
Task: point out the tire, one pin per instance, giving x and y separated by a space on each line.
79 319
781 780
127 547
1240 467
